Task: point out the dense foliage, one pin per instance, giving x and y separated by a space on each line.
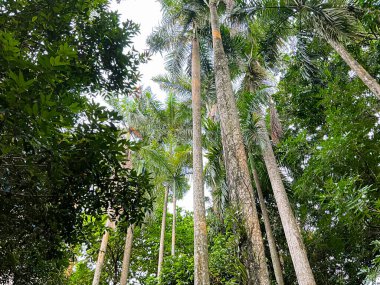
61 154
300 73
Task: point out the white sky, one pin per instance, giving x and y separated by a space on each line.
147 13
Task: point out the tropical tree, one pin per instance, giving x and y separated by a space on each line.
238 176
334 21
248 104
183 22
166 151
254 77
59 150
174 163
333 124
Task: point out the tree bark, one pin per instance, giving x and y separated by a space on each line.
162 237
292 233
174 218
367 79
102 252
268 229
128 240
201 270
235 158
127 255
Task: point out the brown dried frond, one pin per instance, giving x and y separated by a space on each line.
135 132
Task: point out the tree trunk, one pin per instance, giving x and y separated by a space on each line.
367 79
162 238
235 158
268 229
127 256
201 271
174 219
292 233
70 268
102 252
128 240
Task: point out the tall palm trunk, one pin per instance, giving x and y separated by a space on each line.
235 158
292 233
162 238
201 273
102 252
268 229
174 218
367 79
128 240
127 255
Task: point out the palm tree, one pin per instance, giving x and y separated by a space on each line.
102 252
248 104
292 233
127 256
128 238
215 174
110 224
235 158
253 77
166 129
181 26
268 229
172 164
331 20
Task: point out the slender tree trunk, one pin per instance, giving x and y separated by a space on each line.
127 255
235 158
102 252
367 79
162 238
292 233
174 219
201 271
268 229
70 268
128 240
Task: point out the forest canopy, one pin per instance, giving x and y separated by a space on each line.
269 123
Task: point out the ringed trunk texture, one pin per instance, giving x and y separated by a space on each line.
174 219
235 158
162 238
268 229
201 271
102 252
127 255
367 79
292 233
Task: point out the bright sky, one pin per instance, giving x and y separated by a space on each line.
147 13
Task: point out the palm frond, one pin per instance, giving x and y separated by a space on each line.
179 85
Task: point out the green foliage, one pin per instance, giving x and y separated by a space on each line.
178 270
61 154
330 151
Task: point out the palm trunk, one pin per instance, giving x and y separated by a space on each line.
235 158
292 233
102 252
128 240
162 238
174 219
201 271
367 79
70 268
127 256
268 229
